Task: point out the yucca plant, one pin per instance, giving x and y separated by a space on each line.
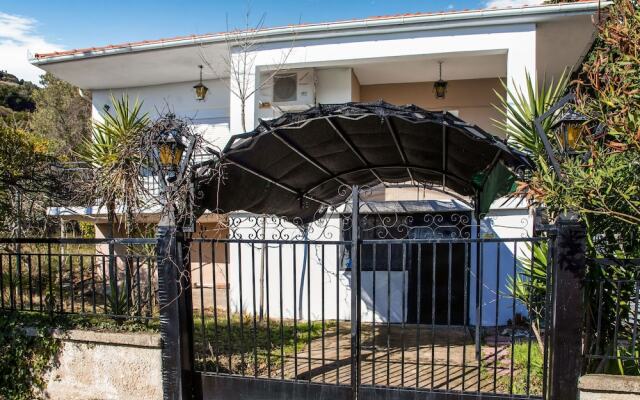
529 285
519 107
115 154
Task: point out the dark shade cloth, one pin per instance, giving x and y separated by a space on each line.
298 165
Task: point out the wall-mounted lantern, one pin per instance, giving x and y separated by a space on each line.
201 90
440 86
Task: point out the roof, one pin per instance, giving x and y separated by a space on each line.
465 16
300 164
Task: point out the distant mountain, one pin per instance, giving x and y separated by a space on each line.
16 95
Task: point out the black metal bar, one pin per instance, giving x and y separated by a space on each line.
568 308
479 306
530 330
496 333
2 281
60 275
322 309
241 311
30 282
418 310
388 314
281 313
353 149
548 317
449 272
266 271
513 314
139 285
227 249
295 314
308 254
394 166
203 322
169 313
104 285
50 306
275 182
80 241
373 318
305 156
216 338
355 291
543 135
445 155
81 283
338 315
39 282
402 326
19 273
150 291
433 317
465 312
253 298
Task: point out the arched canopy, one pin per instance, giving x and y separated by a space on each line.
301 163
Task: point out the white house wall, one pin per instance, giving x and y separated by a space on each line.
210 117
517 41
302 297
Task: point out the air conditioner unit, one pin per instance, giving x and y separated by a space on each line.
292 90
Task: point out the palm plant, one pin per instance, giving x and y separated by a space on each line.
521 106
114 153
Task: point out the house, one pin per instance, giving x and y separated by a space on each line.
393 58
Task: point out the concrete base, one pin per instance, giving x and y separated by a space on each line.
609 387
106 365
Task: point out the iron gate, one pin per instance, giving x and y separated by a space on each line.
412 310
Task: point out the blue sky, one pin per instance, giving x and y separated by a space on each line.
46 25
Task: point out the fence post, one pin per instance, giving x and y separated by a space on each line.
355 292
568 273
175 312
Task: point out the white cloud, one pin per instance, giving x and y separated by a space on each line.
18 37
512 3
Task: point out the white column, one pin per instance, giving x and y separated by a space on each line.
521 58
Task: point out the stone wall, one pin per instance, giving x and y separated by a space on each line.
609 387
106 365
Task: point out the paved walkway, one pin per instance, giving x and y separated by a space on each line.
440 358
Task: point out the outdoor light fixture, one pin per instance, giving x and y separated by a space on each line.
440 86
170 149
201 90
570 129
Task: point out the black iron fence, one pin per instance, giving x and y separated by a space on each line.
110 277
451 316
612 296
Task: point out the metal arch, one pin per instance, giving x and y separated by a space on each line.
396 140
274 182
353 150
408 166
543 136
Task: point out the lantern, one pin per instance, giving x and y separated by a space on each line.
440 86
170 150
200 89
570 129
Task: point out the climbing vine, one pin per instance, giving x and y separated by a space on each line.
25 356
